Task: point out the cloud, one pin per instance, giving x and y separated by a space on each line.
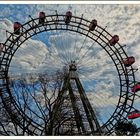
96 70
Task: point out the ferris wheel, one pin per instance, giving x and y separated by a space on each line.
97 71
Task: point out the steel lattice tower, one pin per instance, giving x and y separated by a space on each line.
86 119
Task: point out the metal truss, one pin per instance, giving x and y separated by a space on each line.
100 36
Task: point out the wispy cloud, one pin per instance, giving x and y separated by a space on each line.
96 70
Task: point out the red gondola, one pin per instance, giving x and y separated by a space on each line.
17 27
136 87
114 40
68 17
41 17
129 61
134 114
93 25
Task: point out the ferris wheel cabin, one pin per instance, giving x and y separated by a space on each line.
93 25
134 114
129 61
114 40
41 17
68 17
17 27
136 87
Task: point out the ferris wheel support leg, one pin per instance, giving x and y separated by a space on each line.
91 117
78 117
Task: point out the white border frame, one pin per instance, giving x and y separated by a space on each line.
69 137
68 2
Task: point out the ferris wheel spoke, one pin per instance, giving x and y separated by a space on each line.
68 41
82 45
66 47
93 57
60 46
102 102
103 106
70 48
84 55
89 68
75 46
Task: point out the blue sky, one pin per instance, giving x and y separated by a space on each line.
123 20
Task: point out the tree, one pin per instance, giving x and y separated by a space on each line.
47 102
126 128
7 125
38 97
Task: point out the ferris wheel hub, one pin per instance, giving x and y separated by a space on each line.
52 23
72 70
72 66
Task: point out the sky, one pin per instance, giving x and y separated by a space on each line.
123 20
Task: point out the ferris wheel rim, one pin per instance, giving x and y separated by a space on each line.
80 26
